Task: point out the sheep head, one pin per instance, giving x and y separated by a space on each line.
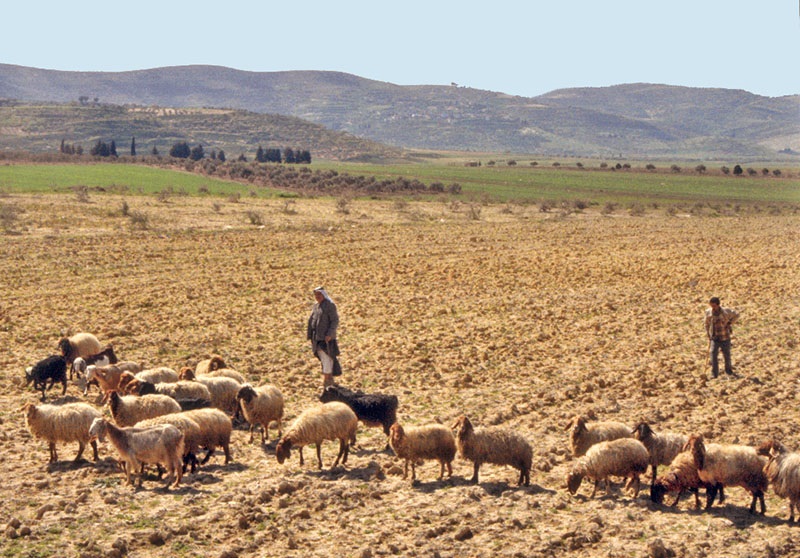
283 449
574 480
695 445
246 393
396 433
97 431
657 491
65 346
462 427
216 363
770 448
642 431
186 373
578 425
28 375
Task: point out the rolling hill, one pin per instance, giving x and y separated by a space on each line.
633 120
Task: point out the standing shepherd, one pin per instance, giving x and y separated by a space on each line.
718 328
321 331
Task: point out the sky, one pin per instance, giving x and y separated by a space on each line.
520 47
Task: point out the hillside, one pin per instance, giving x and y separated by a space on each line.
643 120
42 127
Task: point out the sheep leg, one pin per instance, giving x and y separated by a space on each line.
449 469
711 493
81 447
300 451
758 495
441 470
405 469
252 426
475 467
792 505
413 470
655 468
635 481
594 490
94 449
53 452
678 497
319 455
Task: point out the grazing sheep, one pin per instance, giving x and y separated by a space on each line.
62 423
127 410
624 457
261 406
53 368
329 421
223 392
783 471
583 435
103 358
179 390
215 431
499 446
729 465
157 375
208 365
662 447
158 445
373 409
193 437
681 476
431 441
226 373
79 345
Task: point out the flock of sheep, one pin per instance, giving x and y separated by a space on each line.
162 417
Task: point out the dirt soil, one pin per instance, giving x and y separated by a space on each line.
513 317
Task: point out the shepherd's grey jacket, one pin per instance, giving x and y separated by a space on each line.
323 321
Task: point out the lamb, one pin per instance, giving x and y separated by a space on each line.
62 423
215 431
583 436
623 457
662 447
729 465
328 421
79 345
493 445
431 441
783 471
261 406
103 358
127 410
209 365
375 409
53 368
681 476
193 437
161 445
157 375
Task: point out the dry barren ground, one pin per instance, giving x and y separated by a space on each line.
514 317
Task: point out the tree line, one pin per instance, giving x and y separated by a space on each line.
182 150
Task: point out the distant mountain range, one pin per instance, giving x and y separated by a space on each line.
628 121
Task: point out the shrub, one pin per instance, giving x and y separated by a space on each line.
255 217
139 220
9 215
636 210
81 193
342 205
650 167
125 209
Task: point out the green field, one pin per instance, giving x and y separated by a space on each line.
499 184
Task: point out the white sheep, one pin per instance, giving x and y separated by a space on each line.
223 392
261 406
215 431
226 373
729 465
583 435
662 447
783 471
623 457
430 441
157 375
62 423
499 446
78 345
328 421
127 410
158 445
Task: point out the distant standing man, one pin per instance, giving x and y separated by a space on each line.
718 328
321 331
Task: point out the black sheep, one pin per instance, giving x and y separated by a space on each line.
373 409
53 368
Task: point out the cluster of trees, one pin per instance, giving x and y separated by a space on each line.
289 155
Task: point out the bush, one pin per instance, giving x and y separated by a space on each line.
139 220
9 215
255 217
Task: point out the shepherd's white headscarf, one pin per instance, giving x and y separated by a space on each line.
324 293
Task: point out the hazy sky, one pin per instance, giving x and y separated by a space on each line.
521 47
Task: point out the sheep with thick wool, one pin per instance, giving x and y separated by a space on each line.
681 476
662 446
179 390
328 421
584 435
261 405
729 465
226 373
78 345
157 375
623 457
127 410
215 431
223 392
156 445
429 441
783 472
62 423
500 446
192 435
